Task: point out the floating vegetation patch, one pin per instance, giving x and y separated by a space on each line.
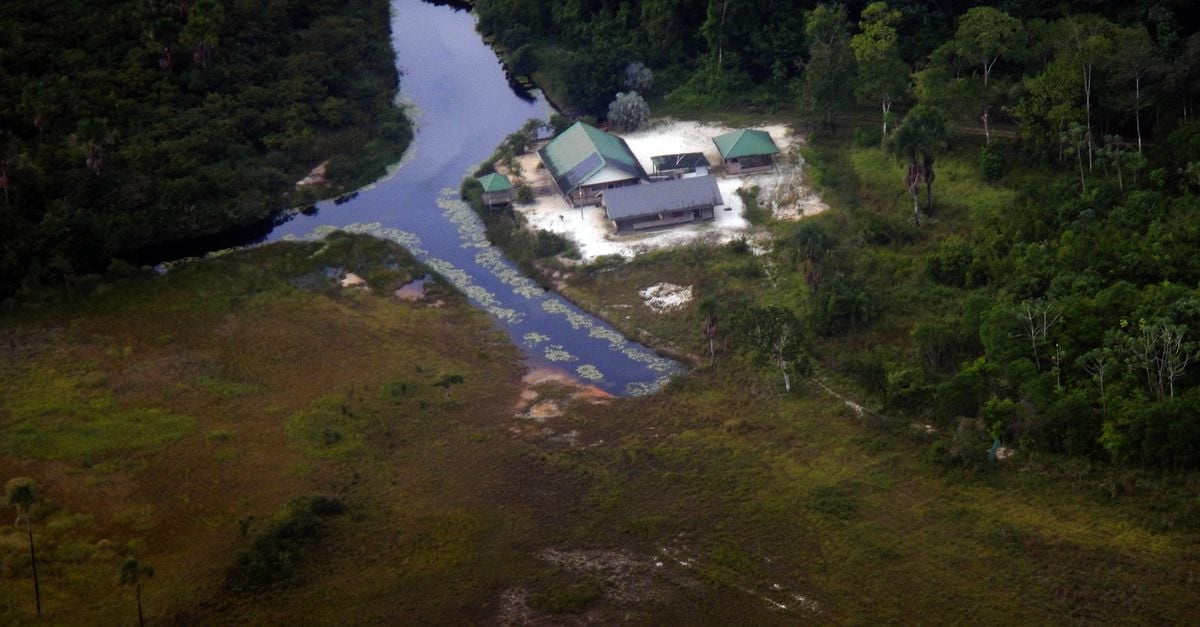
589 372
533 338
556 352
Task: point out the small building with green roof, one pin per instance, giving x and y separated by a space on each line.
584 161
746 150
497 189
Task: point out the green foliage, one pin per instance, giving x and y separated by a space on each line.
827 84
57 415
274 555
549 244
834 502
867 136
330 429
957 262
191 123
993 164
839 305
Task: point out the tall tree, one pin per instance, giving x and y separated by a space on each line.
918 140
21 494
202 30
1087 44
1135 59
828 76
134 575
984 36
882 75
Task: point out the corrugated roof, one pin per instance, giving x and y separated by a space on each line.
687 160
494 182
744 143
654 198
583 150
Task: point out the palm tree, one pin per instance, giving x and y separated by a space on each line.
135 574
92 134
21 493
708 306
920 137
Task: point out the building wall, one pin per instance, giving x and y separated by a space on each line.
590 194
498 198
685 216
755 163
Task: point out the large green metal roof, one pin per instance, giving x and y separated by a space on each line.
581 151
744 143
495 182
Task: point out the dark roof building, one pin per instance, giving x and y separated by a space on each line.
679 164
654 205
584 160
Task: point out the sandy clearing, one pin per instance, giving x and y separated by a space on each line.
593 234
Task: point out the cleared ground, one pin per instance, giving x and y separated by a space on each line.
594 235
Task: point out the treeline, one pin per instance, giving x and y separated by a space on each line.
1063 317
723 52
135 122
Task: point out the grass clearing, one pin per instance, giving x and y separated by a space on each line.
717 501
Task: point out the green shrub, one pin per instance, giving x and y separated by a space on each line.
548 244
992 163
868 136
273 555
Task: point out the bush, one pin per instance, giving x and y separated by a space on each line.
549 244
957 263
992 164
272 557
524 194
840 305
868 136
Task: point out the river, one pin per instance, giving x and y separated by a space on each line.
463 106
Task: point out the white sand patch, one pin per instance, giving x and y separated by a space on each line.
315 177
353 280
594 235
664 297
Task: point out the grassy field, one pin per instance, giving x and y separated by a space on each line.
179 418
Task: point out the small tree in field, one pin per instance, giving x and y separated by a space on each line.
921 137
628 112
449 380
708 306
773 335
21 493
135 574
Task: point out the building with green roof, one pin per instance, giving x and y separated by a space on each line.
497 189
746 150
584 161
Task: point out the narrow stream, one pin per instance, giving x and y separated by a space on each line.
464 106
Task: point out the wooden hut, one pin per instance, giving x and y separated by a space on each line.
746 150
497 189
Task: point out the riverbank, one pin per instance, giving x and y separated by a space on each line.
219 147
